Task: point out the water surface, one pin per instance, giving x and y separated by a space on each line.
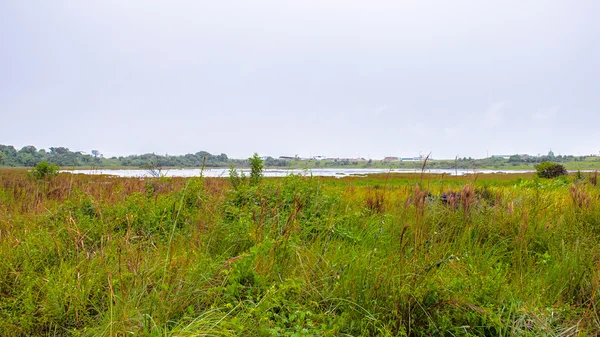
321 172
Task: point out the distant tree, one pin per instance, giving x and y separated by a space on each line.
59 150
27 159
97 155
514 159
28 149
9 150
28 156
550 170
9 156
203 154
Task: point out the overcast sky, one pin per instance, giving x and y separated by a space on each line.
308 77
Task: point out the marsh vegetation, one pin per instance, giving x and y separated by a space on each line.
514 255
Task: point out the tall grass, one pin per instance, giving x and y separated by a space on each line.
299 256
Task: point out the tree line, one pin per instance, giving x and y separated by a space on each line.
30 156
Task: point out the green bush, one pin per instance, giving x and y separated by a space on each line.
256 169
550 170
44 171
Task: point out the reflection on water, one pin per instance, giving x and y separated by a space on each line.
330 172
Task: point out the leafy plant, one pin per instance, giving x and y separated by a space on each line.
256 169
550 170
234 177
44 171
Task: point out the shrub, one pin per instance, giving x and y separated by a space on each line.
550 170
256 169
44 171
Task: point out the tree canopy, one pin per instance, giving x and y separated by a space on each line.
29 156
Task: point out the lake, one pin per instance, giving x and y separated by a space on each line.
321 172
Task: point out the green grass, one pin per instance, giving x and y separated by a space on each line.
299 256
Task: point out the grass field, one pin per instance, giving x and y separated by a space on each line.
299 256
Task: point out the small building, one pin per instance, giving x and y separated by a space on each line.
389 159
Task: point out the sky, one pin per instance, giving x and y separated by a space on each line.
308 77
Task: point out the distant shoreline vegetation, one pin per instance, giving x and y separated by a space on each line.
29 156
